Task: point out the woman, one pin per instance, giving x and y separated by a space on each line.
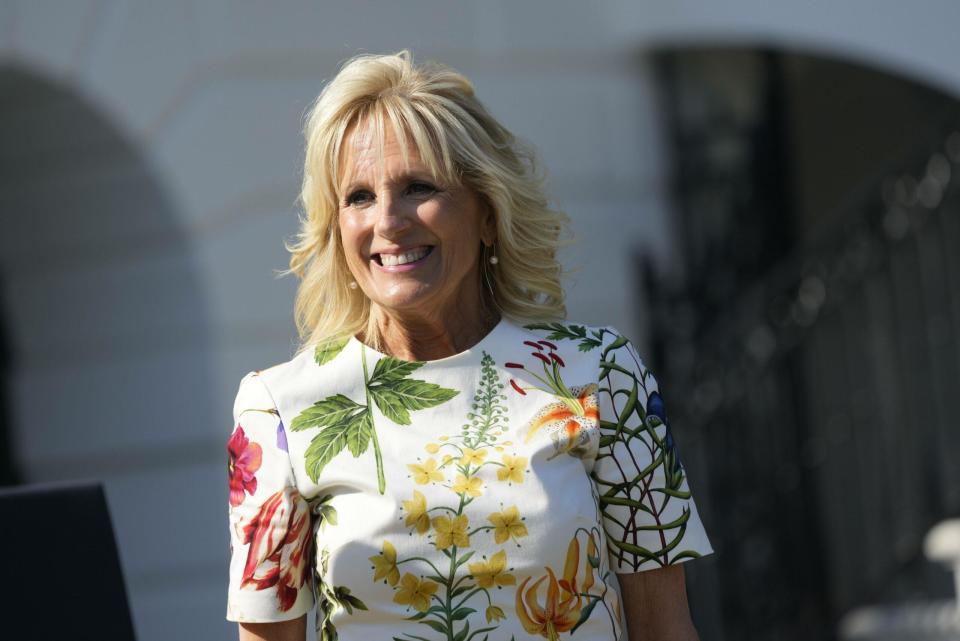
445 457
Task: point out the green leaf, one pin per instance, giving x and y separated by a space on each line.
628 408
462 613
390 404
328 514
330 411
358 433
328 350
463 559
324 446
418 395
350 599
436 625
389 369
462 634
585 614
398 398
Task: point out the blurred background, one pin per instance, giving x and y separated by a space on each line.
764 198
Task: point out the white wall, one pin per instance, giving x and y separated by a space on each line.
206 98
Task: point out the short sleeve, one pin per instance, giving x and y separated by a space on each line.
649 515
271 538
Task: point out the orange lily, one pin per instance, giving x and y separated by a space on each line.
567 419
561 609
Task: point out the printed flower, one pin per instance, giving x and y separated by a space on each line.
472 457
451 531
423 474
432 448
568 421
494 613
572 415
467 485
282 437
507 525
561 609
512 470
244 460
385 564
492 572
280 546
415 591
416 509
656 407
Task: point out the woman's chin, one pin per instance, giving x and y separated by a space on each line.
405 297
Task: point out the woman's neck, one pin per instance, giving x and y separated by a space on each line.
430 338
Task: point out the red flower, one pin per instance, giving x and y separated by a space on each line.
557 358
548 344
513 365
532 344
517 387
244 461
280 546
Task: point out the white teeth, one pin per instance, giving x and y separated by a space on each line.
401 259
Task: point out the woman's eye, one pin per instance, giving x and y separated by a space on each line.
359 197
421 189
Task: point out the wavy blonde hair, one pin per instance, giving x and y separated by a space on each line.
434 107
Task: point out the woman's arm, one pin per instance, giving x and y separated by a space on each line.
655 605
294 630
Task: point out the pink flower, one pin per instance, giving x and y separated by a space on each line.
244 461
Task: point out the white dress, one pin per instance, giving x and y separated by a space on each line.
488 495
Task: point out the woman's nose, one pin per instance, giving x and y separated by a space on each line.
392 217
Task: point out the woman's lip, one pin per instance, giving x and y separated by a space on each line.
406 266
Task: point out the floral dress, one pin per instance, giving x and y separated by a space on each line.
489 495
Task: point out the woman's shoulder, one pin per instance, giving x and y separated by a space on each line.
282 379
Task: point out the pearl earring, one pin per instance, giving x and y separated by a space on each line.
493 258
353 284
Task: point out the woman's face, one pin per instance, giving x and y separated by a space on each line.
411 242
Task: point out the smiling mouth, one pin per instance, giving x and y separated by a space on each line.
392 260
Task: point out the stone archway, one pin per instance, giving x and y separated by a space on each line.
109 372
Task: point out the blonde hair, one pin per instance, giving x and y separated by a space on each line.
435 107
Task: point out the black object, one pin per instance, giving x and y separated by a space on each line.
60 572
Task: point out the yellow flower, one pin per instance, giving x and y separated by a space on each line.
451 531
423 474
490 573
443 438
385 564
464 485
507 524
432 448
447 458
508 442
415 591
494 613
471 456
513 467
416 509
